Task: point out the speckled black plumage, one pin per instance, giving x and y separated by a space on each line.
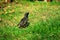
24 21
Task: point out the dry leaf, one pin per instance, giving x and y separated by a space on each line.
11 11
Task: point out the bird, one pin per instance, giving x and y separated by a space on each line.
24 21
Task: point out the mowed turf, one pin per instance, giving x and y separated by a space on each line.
44 21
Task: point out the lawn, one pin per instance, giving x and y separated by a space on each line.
44 21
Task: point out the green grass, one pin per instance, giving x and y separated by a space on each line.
44 21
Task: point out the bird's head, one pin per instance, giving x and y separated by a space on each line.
26 14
